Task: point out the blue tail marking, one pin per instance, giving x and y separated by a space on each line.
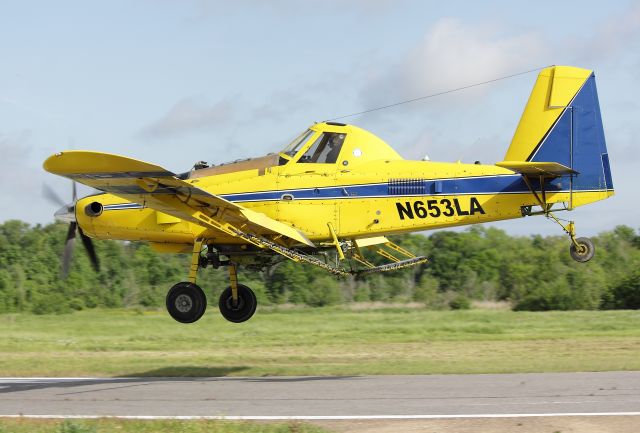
577 141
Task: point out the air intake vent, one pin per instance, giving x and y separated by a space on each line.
93 209
406 187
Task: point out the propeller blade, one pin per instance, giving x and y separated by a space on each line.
51 195
88 245
68 249
74 191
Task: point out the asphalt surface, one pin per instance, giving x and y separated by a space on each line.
377 396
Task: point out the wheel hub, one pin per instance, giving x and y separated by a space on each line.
184 303
239 305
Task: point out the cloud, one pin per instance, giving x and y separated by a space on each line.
452 54
619 33
280 104
189 115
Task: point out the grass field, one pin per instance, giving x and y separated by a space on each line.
332 341
126 426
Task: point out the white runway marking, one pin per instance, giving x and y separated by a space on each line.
322 417
102 379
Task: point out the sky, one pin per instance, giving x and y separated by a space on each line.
173 83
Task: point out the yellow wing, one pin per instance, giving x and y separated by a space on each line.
157 188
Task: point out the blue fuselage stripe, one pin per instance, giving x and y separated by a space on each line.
508 184
501 184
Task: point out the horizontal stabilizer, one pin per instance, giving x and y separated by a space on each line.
537 169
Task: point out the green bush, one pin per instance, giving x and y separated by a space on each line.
625 295
546 297
533 273
323 291
460 302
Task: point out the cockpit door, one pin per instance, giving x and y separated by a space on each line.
307 189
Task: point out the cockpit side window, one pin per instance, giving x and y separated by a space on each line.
325 149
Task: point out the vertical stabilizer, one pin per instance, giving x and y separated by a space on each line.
561 123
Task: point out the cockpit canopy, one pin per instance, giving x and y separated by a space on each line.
330 143
322 143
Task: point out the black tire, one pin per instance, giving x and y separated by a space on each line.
584 252
186 302
247 304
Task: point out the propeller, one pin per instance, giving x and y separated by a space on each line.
67 213
51 195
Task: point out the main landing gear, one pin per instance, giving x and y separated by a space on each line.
242 308
186 302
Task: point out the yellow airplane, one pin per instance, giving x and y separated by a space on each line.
339 188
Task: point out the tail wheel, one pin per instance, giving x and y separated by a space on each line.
244 308
582 250
186 302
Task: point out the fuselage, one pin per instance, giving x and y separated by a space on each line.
368 191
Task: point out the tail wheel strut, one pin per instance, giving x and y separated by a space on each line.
581 249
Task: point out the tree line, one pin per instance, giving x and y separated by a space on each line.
479 264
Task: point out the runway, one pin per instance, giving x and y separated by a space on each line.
359 397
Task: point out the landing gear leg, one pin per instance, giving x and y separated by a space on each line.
581 249
237 302
186 302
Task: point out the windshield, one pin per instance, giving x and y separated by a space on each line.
296 144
